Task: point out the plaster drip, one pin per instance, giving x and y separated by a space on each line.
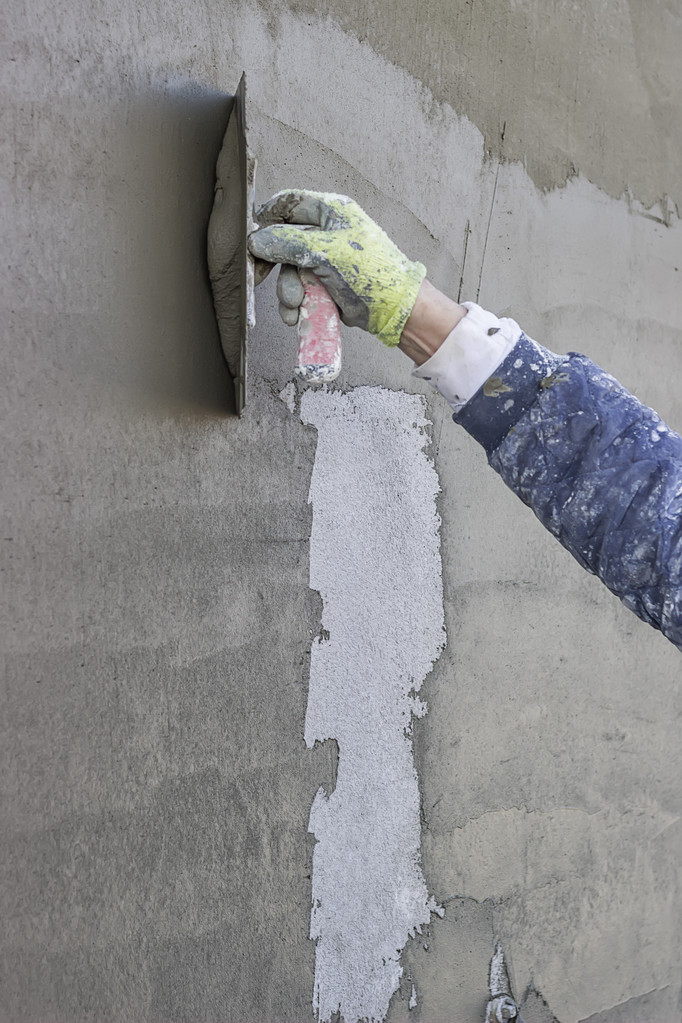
375 559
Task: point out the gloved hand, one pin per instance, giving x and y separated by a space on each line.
372 282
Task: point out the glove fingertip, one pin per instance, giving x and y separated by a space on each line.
289 286
260 245
281 243
290 316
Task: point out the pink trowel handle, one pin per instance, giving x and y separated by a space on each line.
319 333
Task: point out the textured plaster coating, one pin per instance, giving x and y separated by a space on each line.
606 77
657 1006
375 559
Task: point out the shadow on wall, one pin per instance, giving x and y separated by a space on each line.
162 172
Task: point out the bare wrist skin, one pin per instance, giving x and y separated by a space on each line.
433 317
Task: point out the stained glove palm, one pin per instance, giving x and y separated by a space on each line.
373 284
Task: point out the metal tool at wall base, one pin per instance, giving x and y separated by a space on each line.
501 1008
233 274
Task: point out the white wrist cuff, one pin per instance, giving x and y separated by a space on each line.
469 354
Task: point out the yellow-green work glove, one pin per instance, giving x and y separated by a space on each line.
373 284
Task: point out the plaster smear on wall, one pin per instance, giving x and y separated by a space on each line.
375 559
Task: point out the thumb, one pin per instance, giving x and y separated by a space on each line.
284 244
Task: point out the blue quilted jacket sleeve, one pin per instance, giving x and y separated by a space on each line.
600 470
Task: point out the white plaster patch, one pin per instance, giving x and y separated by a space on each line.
375 559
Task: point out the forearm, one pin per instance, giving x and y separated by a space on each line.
603 473
600 470
455 347
433 317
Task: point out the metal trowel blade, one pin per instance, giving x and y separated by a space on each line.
230 265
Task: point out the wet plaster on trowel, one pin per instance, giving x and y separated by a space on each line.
375 559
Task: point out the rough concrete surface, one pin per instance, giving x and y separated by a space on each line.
606 77
156 608
656 1006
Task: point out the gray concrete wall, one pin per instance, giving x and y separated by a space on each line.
158 613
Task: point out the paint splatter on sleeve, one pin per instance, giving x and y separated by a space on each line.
601 471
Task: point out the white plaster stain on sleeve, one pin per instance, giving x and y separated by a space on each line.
375 558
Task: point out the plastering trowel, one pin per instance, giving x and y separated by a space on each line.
234 273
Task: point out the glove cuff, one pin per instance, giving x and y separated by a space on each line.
391 331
